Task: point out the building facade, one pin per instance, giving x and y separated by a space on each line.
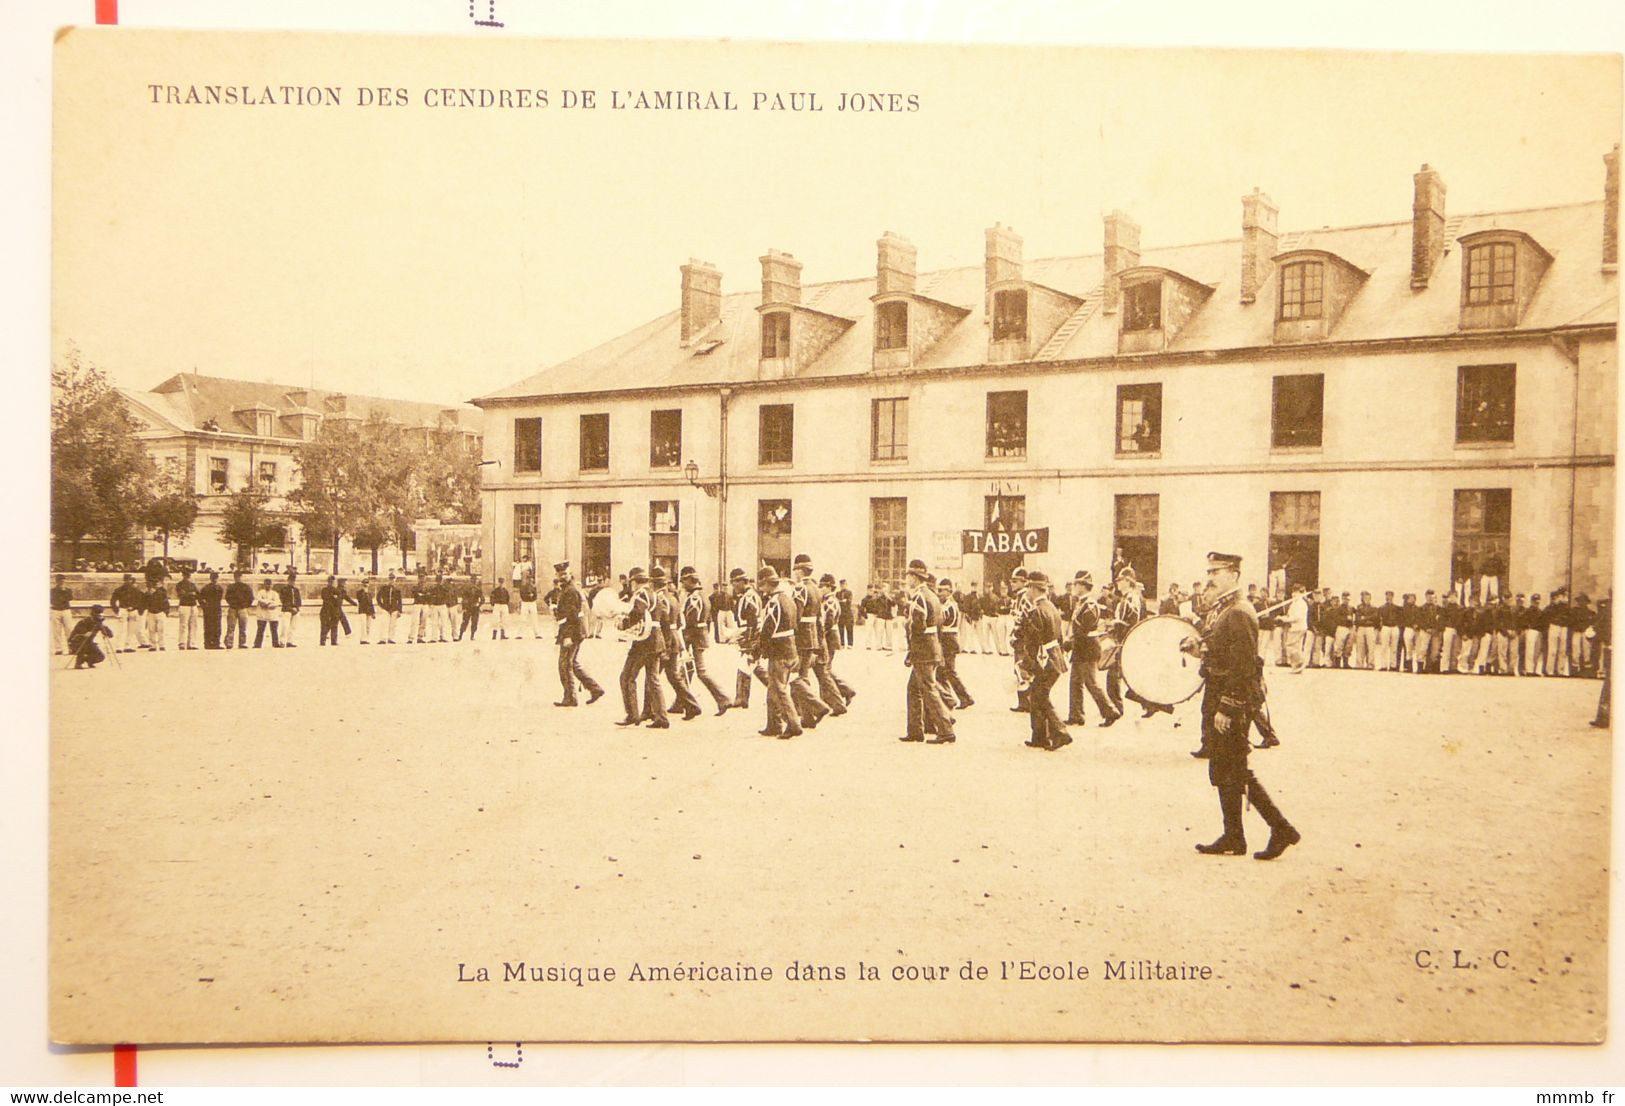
1377 407
219 436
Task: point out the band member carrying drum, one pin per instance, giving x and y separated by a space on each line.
1233 692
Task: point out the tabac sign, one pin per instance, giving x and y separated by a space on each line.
997 540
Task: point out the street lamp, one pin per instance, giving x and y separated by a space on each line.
692 472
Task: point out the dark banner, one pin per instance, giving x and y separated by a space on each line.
1005 541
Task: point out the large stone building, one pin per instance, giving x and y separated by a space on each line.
1366 407
221 435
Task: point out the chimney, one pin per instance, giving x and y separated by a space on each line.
1258 242
1003 254
702 298
1610 210
1427 226
894 264
1122 252
781 278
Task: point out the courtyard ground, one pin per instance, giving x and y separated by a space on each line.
322 844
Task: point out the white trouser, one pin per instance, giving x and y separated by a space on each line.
499 619
527 618
155 629
366 627
61 627
132 629
186 627
1534 653
1557 651
390 619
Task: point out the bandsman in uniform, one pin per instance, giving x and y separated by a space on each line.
1086 655
667 613
776 643
695 615
1013 608
1231 696
186 611
62 623
1039 647
389 601
748 617
815 693
572 631
642 656
209 598
830 624
948 636
923 625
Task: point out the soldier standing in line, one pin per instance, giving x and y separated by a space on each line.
450 610
748 617
948 637
157 608
527 607
129 600
61 615
776 643
186 611
830 625
696 623
239 598
293 601
1086 656
922 623
643 656
267 607
499 610
209 598
332 608
473 598
389 601
1429 623
1367 631
365 609
1232 694
1388 627
572 631
847 617
1534 638
802 688
1038 645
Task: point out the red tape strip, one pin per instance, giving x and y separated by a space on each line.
107 11
124 1065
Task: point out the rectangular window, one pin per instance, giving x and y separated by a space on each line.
1301 290
527 445
891 325
1297 410
773 534
1295 538
665 439
776 334
888 429
594 443
595 533
1142 306
268 475
1139 419
1135 538
1002 512
1007 424
1483 535
1485 402
888 540
663 535
527 528
776 440
1010 315
219 468
1491 269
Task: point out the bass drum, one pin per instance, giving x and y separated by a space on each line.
1155 666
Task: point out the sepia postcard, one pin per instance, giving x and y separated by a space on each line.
710 541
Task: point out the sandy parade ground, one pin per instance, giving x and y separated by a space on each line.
365 843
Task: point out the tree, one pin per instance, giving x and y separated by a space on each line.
250 524
101 476
328 500
173 509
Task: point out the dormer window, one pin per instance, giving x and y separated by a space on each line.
1491 273
262 422
1142 306
891 326
776 334
1010 315
1302 286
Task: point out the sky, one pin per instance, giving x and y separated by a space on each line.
441 253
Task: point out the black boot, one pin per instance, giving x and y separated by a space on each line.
1021 706
1282 834
1234 840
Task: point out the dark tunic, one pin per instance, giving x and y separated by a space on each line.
1231 668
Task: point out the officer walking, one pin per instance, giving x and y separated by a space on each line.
1232 694
572 630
